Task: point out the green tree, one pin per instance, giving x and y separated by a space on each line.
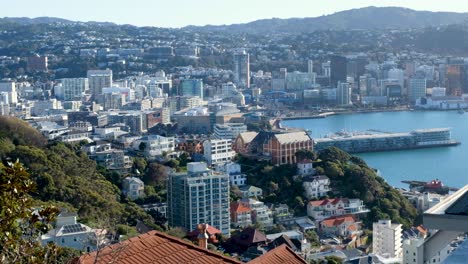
20 226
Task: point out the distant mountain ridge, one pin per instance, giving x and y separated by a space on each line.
362 18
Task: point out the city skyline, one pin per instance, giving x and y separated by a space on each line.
180 13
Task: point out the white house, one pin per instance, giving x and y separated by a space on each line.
69 233
251 191
305 167
260 212
326 208
316 186
133 188
218 151
234 171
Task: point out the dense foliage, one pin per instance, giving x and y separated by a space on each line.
64 175
354 179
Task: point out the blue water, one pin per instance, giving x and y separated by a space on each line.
450 164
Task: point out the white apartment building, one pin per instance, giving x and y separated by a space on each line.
413 252
155 145
218 151
10 89
305 167
316 186
261 214
99 79
387 239
198 196
229 130
234 171
74 88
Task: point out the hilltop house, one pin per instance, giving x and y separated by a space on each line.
326 208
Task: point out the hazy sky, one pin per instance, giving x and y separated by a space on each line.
178 13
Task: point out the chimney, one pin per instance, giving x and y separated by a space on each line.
202 236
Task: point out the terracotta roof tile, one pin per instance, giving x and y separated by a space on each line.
154 247
280 255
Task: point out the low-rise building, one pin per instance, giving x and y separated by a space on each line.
113 159
343 226
218 151
229 130
155 145
133 188
316 186
71 234
261 214
250 191
305 167
327 208
236 177
241 215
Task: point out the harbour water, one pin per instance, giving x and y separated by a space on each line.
449 164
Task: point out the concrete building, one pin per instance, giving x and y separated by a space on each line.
242 69
326 208
74 88
413 252
417 89
99 79
10 89
236 177
316 186
387 239
218 151
198 196
229 130
133 188
191 88
343 93
155 145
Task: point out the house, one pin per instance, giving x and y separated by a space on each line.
113 159
305 167
249 237
261 214
251 191
316 186
327 208
280 212
241 215
343 226
279 147
157 247
234 170
211 231
71 234
133 188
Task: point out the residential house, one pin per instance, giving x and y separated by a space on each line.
305 167
249 191
327 208
133 188
69 233
234 170
316 186
261 214
241 215
113 159
343 226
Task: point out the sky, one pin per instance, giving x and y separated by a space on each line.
179 13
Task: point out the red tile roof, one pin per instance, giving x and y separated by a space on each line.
338 220
280 255
237 207
327 201
154 247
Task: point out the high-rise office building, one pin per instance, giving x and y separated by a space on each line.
9 88
199 195
343 93
310 66
99 79
417 89
338 67
242 69
73 88
387 239
192 87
